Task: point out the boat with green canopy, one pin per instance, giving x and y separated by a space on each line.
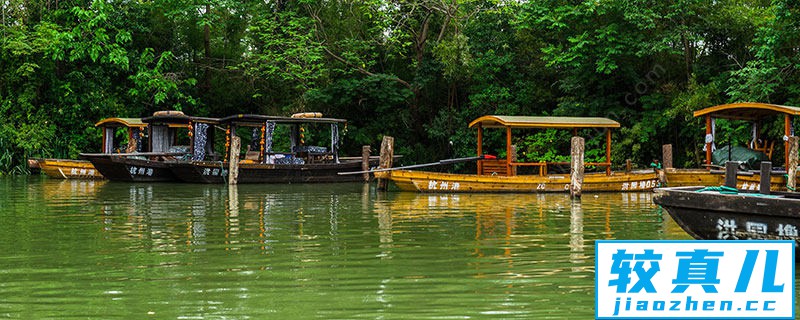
506 175
115 141
762 147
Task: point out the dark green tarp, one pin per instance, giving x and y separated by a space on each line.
749 158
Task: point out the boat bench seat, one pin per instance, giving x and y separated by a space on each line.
494 167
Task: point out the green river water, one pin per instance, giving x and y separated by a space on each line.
106 250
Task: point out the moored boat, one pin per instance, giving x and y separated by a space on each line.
168 141
503 175
68 169
276 152
755 113
83 169
426 181
719 213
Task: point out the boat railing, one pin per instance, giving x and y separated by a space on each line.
295 157
499 166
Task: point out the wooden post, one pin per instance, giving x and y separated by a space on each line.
513 158
387 153
365 161
791 169
666 156
708 144
576 167
731 168
233 201
787 131
627 165
662 178
233 160
766 170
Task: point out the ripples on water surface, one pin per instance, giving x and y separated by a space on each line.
103 250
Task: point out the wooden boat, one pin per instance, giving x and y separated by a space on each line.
68 169
167 130
262 163
501 175
83 169
731 214
756 113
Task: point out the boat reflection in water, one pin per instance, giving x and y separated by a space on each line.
68 192
283 251
509 225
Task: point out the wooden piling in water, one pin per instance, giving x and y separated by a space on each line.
766 170
387 154
576 168
513 158
666 156
365 150
628 166
731 169
233 160
791 167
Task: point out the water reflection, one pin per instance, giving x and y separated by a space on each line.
66 192
576 245
303 251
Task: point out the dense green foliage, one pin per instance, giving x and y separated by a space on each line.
418 70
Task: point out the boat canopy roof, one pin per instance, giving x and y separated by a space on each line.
168 118
121 122
205 120
749 111
177 120
257 118
494 121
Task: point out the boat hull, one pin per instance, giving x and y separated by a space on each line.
421 181
217 172
120 168
68 169
707 178
745 216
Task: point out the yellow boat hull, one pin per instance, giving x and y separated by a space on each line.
422 181
69 169
706 178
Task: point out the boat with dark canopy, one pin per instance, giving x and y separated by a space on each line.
170 140
276 152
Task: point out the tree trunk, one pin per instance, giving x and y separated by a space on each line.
207 53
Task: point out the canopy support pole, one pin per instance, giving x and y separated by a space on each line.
105 142
480 148
787 132
508 151
608 151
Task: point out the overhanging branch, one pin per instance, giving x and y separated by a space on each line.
362 70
